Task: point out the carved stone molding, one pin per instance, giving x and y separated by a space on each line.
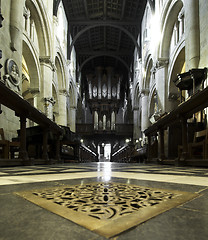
64 92
12 76
181 14
144 92
161 63
49 100
48 61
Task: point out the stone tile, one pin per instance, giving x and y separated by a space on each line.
20 219
176 224
199 203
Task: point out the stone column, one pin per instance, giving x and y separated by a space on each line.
16 24
181 22
137 123
72 116
62 117
47 70
144 118
161 71
192 35
27 19
48 104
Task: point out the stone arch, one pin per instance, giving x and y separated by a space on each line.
151 107
136 96
60 71
169 17
72 95
99 25
176 67
38 14
31 86
72 105
148 72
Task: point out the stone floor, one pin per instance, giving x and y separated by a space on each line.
21 219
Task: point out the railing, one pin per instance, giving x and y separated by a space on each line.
120 129
87 155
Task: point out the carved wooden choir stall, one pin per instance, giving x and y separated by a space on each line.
186 140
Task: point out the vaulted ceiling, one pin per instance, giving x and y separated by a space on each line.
104 32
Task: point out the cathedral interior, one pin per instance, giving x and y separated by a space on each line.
103 119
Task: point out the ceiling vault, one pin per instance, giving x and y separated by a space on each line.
104 32
104 24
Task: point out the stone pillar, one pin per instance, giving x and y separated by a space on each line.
48 104
16 24
192 35
62 117
161 80
47 70
137 123
181 22
144 117
27 20
72 116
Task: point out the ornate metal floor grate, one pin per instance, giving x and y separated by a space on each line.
107 208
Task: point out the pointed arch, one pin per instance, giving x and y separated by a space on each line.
169 16
39 15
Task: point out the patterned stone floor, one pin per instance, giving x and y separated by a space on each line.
21 219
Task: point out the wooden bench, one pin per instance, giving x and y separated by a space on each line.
4 145
7 148
198 149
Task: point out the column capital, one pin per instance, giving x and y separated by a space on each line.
181 14
50 100
64 92
161 63
48 61
144 92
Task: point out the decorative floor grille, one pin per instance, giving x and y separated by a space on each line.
97 205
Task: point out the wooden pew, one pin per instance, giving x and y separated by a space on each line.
198 149
8 148
4 145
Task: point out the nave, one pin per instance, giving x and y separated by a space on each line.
22 219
